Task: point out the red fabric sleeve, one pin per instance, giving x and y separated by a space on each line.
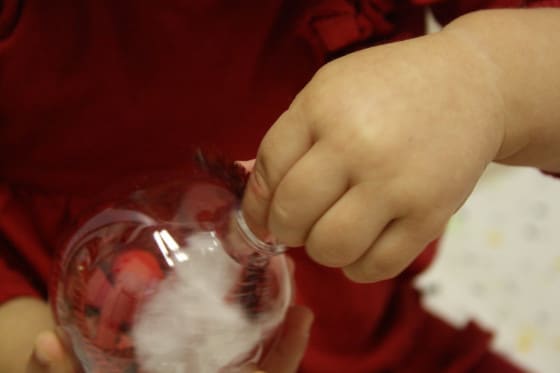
87 110
454 350
23 271
12 282
553 174
9 14
448 10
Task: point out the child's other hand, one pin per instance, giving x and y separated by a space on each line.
50 356
376 153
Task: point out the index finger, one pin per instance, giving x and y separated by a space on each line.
284 143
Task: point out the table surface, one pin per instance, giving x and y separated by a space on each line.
500 265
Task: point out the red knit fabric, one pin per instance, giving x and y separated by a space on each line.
98 98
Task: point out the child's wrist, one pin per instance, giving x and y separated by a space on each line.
519 48
484 75
469 77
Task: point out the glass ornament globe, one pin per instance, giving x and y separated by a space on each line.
170 280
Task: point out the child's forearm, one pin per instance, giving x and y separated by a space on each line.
522 48
21 320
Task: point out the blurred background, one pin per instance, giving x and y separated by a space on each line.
500 265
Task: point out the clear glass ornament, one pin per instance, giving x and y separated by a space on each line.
170 280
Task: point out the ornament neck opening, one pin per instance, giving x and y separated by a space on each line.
262 247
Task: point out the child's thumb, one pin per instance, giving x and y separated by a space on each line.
50 356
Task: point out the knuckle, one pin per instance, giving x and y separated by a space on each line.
284 224
261 174
387 266
426 226
280 215
318 99
357 275
325 254
382 267
411 200
435 226
331 246
259 185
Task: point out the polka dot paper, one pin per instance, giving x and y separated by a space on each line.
500 265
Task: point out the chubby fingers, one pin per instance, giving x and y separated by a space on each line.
396 247
283 145
303 192
50 356
351 208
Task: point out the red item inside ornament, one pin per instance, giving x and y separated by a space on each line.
111 296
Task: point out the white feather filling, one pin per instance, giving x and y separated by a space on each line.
187 325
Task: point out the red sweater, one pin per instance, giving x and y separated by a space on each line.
99 97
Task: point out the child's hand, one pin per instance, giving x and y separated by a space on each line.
376 153
50 356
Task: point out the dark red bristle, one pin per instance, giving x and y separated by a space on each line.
252 287
251 291
231 174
